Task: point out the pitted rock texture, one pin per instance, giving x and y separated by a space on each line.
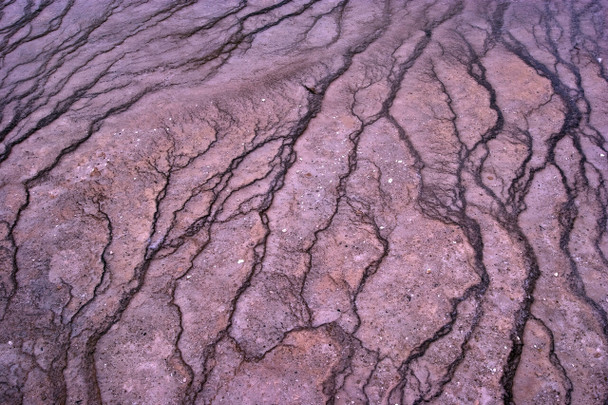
303 202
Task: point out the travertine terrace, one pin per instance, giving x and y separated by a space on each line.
303 202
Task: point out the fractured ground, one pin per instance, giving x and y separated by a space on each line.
347 201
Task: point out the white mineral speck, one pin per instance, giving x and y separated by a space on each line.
284 230
390 180
241 261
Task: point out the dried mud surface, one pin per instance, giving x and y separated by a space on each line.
303 202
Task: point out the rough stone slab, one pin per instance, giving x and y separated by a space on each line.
303 202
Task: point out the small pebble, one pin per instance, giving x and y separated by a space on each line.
284 230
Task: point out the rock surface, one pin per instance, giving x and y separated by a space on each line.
303 202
